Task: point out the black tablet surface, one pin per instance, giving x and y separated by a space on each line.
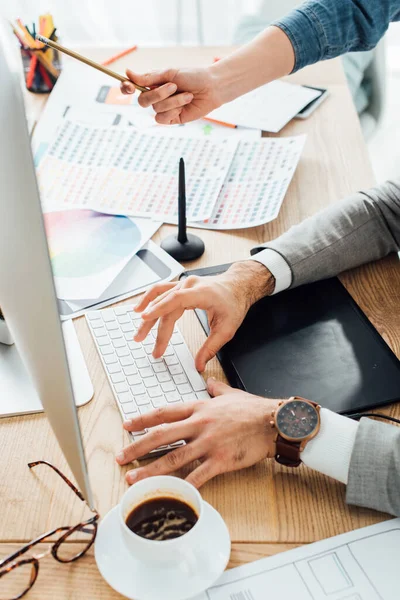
313 341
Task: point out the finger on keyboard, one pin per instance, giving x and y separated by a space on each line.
159 436
143 330
149 296
164 414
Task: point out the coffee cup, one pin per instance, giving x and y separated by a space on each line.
158 491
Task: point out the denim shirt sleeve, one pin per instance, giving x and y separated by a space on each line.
322 29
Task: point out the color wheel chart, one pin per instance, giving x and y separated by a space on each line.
88 250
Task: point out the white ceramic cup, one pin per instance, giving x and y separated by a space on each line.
167 551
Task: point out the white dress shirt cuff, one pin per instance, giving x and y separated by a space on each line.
330 451
278 267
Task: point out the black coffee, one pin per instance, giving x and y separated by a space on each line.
161 519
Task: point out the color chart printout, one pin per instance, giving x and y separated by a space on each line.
126 172
256 184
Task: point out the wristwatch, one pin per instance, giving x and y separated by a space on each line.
296 421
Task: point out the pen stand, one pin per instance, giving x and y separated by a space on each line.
39 78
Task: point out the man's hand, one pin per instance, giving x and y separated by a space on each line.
226 298
179 95
228 432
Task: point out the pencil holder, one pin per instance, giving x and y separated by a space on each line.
5 335
40 75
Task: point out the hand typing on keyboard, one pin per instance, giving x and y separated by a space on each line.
226 298
226 433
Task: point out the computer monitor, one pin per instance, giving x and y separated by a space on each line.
27 293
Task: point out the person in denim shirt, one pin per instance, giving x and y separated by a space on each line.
233 431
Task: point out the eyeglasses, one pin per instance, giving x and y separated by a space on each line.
72 544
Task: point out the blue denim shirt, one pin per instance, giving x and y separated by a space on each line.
322 29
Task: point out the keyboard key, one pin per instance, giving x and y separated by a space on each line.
131 370
134 380
163 377
121 310
123 352
146 372
168 386
112 325
184 389
169 351
115 334
138 389
204 395
124 319
127 327
100 331
150 382
93 315
102 341
159 367
134 345
114 368
146 409
186 360
142 399
108 315
189 397
110 358
120 343
125 397
148 340
154 391
176 338
128 336
141 363
175 369
107 350
137 322
158 401
118 377
171 360
96 324
127 361
139 353
148 349
121 387
130 409
173 396
178 379
155 360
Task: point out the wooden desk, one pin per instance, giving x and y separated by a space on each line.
267 508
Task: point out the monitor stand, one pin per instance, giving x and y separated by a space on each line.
17 393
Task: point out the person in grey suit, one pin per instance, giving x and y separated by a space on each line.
237 429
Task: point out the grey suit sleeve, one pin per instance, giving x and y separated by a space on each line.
374 474
359 229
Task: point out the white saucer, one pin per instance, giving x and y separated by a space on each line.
139 581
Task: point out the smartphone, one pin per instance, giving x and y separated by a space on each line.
311 106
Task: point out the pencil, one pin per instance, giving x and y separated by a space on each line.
220 122
118 56
88 62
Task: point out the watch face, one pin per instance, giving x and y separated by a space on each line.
297 419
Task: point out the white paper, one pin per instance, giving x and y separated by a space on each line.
256 184
204 128
269 107
360 565
122 171
133 280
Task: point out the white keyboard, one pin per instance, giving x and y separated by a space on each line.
139 381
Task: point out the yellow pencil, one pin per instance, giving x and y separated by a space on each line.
87 61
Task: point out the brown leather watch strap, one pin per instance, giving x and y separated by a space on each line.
287 453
